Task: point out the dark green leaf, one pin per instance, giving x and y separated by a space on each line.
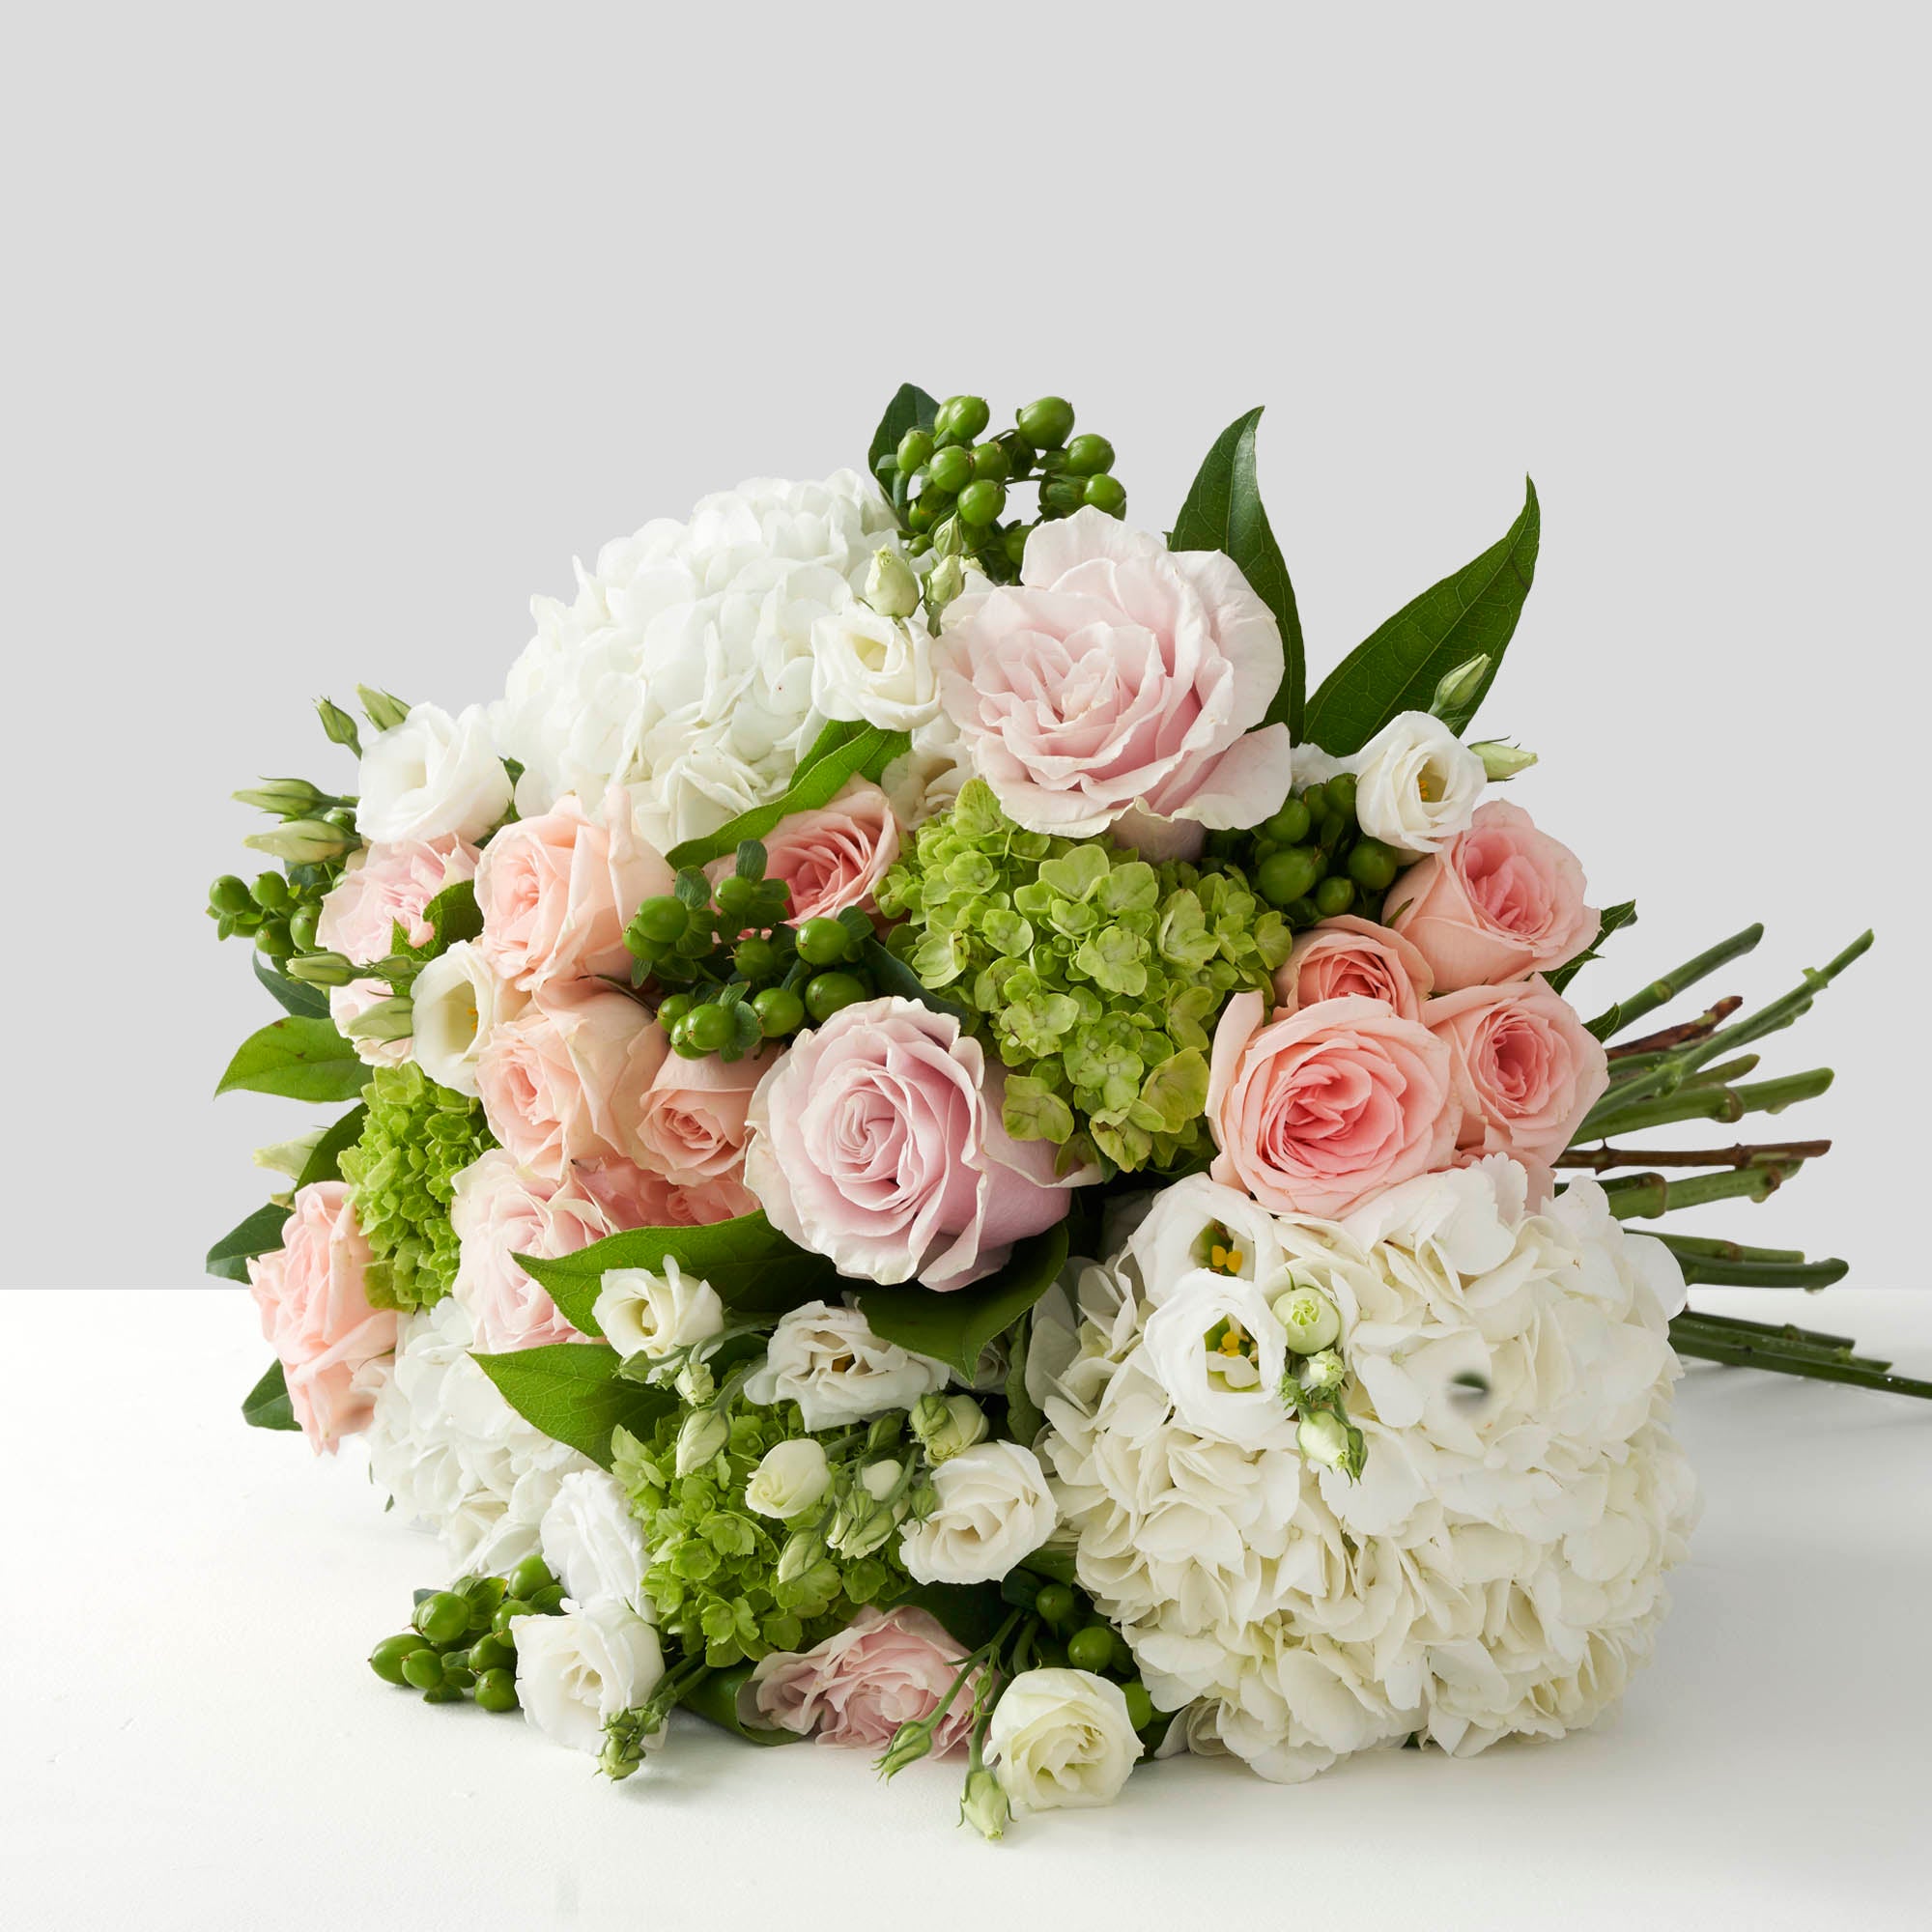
1398 669
261 1233
1223 511
291 995
911 408
715 1695
1024 1420
325 1162
972 1613
1612 918
892 974
267 1405
453 915
954 1327
300 1058
572 1391
751 1266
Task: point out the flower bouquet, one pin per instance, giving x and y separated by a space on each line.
941 1159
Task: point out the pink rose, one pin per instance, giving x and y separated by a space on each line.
1349 958
499 1212
316 1315
1499 901
876 1140
1314 1113
1525 1067
565 1080
1119 680
556 892
833 858
386 886
884 1669
691 1125
633 1198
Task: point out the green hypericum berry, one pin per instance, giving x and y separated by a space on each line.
756 959
386 1660
507 1612
1300 913
303 922
1055 1603
1047 423
1333 896
1288 875
1062 495
734 897
991 463
925 513
531 1574
270 891
548 1601
663 922
228 894
1140 1706
496 1691
1289 825
823 942
707 1027
271 939
1015 541
1316 799
444 1617
1106 493
1342 795
951 470
493 1653
672 1008
832 992
1091 1649
915 451
981 502
682 1042
1372 865
780 1011
963 416
422 1670
1089 455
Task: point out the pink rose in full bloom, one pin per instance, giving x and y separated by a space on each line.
876 1140
556 893
499 1212
1119 681
316 1315
833 858
1526 1069
632 1197
386 886
690 1126
884 1669
1501 901
1349 956
565 1080
1314 1113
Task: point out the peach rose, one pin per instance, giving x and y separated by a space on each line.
386 886
1499 901
565 1080
1347 957
316 1315
499 1212
1525 1067
832 858
1314 1113
631 1197
884 1669
556 893
690 1125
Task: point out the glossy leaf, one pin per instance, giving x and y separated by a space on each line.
910 408
324 1161
1611 919
267 1405
954 1327
299 1058
572 1391
291 995
261 1233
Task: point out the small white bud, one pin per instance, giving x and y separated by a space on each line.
891 588
1502 762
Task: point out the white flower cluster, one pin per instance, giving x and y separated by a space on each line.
1497 1569
700 659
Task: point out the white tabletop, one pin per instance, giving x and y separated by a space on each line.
194 1739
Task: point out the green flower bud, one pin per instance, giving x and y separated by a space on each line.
384 710
891 588
303 842
910 1742
324 969
946 581
705 1433
803 1549
1460 687
1323 1437
945 1424
392 1018
1323 1372
1309 1317
339 727
949 539
1047 423
286 798
1502 762
985 1805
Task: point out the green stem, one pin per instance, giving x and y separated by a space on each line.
1768 1334
1746 1356
1600 1159
1648 999
1614 1113
1703 1247
1640 1196
1667 1038
1810 1276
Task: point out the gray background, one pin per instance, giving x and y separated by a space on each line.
332 337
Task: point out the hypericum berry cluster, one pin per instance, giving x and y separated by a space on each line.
1312 860
1065 1630
951 489
460 1643
732 971
1098 974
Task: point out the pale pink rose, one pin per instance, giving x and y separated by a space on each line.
691 1125
556 893
350 1003
1119 681
833 858
386 886
884 1669
1500 900
1526 1068
1350 956
1314 1113
317 1318
631 1197
877 1142
499 1212
566 1081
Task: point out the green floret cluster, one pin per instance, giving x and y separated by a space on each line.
1096 974
401 1172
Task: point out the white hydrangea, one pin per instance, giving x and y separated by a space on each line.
454 1455
684 666
1498 1569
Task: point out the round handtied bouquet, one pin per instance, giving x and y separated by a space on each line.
941 1159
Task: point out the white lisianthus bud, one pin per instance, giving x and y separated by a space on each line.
303 842
947 1423
1323 1371
1323 1437
323 969
384 709
801 1552
865 1519
460 999
1458 687
387 1019
946 581
1308 1318
1062 1738
1417 783
704 1434
891 588
985 1805
790 1479
286 798
645 1313
1502 762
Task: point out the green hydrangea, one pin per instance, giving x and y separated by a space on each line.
1095 974
401 1172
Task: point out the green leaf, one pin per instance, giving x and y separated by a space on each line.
1469 614
910 408
954 1327
715 1696
261 1233
267 1405
324 1161
865 750
1024 1420
299 1058
291 995
1223 511
572 1391
972 1613
751 1266
892 974
1612 918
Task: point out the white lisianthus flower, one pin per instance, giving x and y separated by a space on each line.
1217 1347
1417 783
790 1479
458 1001
577 1671
431 777
827 1360
874 667
594 1544
1060 1738
642 1312
994 1507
